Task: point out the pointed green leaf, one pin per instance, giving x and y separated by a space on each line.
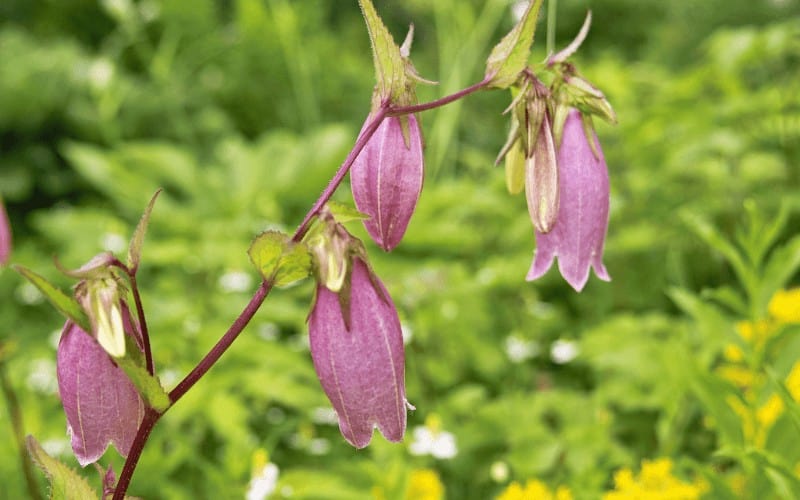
782 476
147 385
345 213
783 263
389 67
65 483
792 407
65 304
509 57
135 247
279 259
715 240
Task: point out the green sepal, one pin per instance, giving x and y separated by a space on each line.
345 213
279 259
510 56
390 72
65 482
149 386
65 304
135 247
515 169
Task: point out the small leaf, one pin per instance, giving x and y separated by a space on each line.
65 304
65 483
783 263
279 259
147 385
345 213
509 57
135 247
792 407
389 67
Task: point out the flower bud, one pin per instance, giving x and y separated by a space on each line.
360 361
5 235
541 180
101 403
386 179
579 232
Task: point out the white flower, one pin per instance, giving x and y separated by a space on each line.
519 349
263 484
432 440
563 351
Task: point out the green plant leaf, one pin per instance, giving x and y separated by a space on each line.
709 234
783 478
65 304
510 56
782 264
147 385
135 247
65 483
792 408
389 67
345 213
279 259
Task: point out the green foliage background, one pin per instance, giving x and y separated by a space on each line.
242 109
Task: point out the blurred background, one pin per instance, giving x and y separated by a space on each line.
678 376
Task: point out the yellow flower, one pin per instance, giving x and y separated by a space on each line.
425 484
769 412
733 353
785 306
755 332
655 482
793 381
534 490
740 376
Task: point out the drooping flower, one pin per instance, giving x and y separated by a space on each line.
359 358
5 235
101 403
578 236
386 179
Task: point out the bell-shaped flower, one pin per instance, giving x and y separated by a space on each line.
5 235
101 403
386 179
579 233
357 349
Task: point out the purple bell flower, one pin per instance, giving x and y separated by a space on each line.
101 403
5 235
360 366
579 233
386 180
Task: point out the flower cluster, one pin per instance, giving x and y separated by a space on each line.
534 489
655 481
553 153
758 408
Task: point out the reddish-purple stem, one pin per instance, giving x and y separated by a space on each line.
152 416
337 179
137 300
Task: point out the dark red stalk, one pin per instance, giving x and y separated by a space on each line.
152 416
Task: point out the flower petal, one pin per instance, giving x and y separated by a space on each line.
386 180
101 403
578 237
361 369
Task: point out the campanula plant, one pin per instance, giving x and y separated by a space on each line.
107 377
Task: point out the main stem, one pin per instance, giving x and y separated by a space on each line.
151 416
